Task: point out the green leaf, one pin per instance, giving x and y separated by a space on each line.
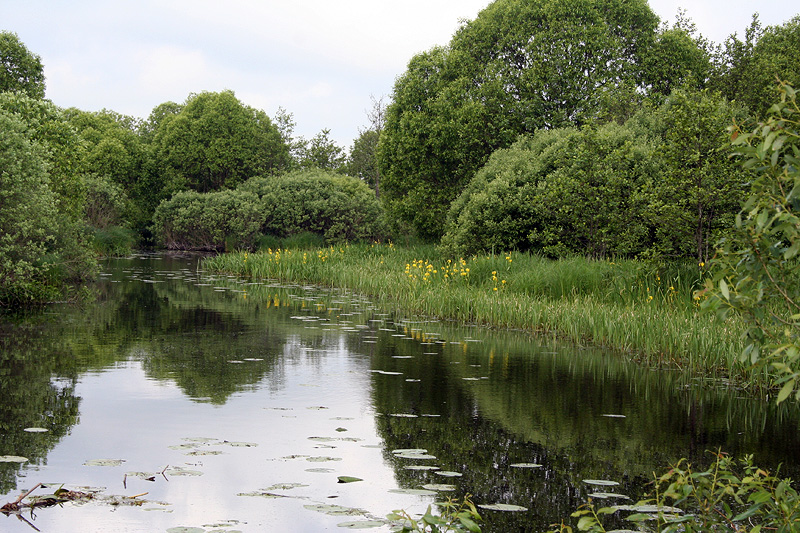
786 390
349 479
723 288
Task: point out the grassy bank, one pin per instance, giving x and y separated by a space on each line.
648 313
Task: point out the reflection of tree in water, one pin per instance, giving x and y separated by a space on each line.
548 409
31 396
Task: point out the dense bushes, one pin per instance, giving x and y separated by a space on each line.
661 185
212 221
338 208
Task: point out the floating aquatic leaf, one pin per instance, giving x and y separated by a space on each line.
414 492
614 416
241 444
262 494
404 415
447 473
184 529
13 459
36 430
317 408
104 462
183 446
349 479
361 524
205 440
322 439
407 451
195 453
602 482
341 429
525 465
181 471
471 379
334 510
323 459
604 495
503 507
294 457
415 456
320 470
439 487
649 508
285 486
421 467
413 380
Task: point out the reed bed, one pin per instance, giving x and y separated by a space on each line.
649 312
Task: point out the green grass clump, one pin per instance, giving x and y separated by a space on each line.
649 312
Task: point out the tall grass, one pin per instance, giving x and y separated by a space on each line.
648 312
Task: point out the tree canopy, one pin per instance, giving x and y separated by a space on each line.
20 69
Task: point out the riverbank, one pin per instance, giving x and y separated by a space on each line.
645 312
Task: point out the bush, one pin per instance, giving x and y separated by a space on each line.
212 221
336 207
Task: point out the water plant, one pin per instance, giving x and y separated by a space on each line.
454 515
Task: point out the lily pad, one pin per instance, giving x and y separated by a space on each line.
13 459
241 444
525 465
349 479
104 462
439 487
614 416
415 456
421 467
414 492
602 482
181 471
262 494
649 508
361 524
406 451
604 495
184 529
36 430
322 459
285 486
334 510
502 507
320 470
447 473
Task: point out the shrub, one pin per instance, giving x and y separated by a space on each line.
339 208
212 221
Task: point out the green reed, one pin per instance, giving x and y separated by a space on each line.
648 311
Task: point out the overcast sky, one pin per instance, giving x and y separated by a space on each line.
321 60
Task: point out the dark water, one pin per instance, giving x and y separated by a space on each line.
235 406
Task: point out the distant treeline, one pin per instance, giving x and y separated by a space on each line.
559 127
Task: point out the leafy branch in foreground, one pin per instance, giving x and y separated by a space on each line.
757 272
731 495
454 516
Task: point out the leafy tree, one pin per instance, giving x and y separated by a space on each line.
520 66
20 69
63 147
217 142
696 198
757 273
321 152
28 215
363 160
746 70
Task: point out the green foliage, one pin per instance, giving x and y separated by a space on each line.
215 142
454 516
28 215
339 208
114 241
106 202
757 273
699 191
520 66
730 495
20 70
64 148
746 70
321 152
559 192
363 162
211 221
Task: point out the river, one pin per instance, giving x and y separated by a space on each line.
187 402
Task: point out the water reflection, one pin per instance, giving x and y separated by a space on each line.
167 353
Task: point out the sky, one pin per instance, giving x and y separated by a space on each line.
321 60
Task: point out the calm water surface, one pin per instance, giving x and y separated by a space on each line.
235 406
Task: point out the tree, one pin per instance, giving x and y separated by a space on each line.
696 198
756 269
520 66
20 69
321 152
363 160
747 70
217 142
